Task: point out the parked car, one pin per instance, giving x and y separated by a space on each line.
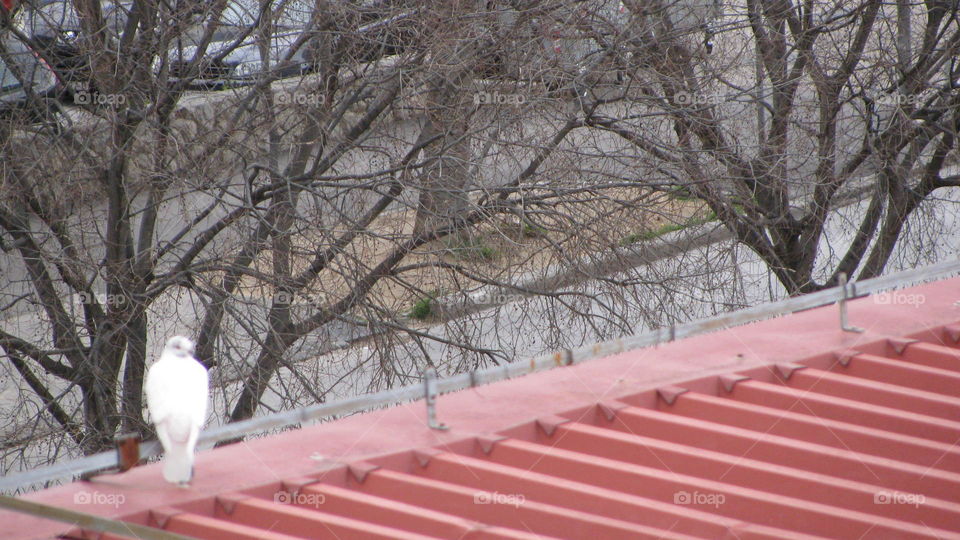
233 57
227 65
27 84
53 27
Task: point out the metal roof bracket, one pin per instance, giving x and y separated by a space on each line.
549 423
424 455
727 382
361 469
670 393
486 442
294 485
844 357
786 369
953 332
228 501
430 397
609 408
162 515
900 344
844 295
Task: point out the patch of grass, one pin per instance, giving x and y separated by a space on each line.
700 220
531 230
422 309
486 253
427 307
473 249
681 193
631 238
667 229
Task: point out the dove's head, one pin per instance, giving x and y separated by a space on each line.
180 346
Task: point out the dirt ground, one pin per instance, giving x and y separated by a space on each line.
500 249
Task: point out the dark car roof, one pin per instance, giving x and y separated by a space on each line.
28 69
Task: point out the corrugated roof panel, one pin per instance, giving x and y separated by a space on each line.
883 394
803 427
846 409
468 502
720 498
762 446
854 437
933 355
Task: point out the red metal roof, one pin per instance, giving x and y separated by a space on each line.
786 428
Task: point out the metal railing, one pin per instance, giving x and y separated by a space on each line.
106 461
88 521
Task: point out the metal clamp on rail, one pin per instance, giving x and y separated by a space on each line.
430 396
844 296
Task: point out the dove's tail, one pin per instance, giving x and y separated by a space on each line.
178 436
178 464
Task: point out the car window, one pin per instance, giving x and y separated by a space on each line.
27 66
52 18
7 80
242 14
234 20
239 15
294 14
289 14
116 16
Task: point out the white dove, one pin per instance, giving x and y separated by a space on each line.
177 389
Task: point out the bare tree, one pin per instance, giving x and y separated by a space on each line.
850 94
267 218
392 185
